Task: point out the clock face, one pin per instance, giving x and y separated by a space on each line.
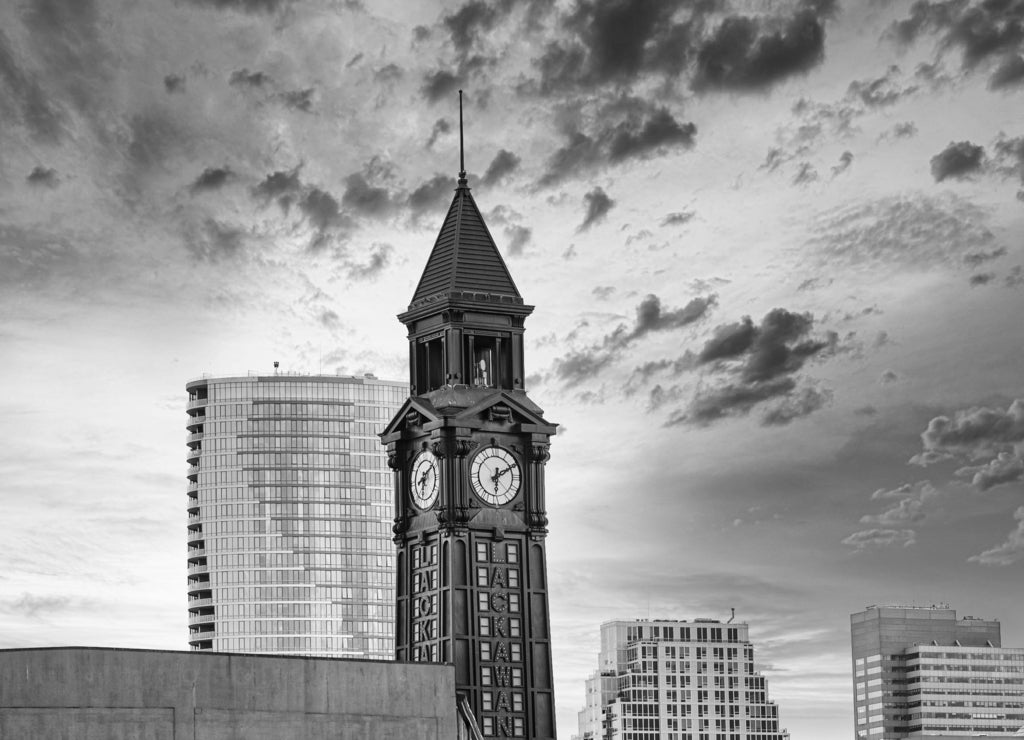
495 476
423 481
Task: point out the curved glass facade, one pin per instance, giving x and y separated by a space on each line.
289 515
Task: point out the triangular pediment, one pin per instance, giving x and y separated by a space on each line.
415 412
504 407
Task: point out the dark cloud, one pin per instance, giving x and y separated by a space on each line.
244 78
959 160
329 319
1006 467
974 433
365 199
639 138
420 33
982 278
979 29
881 91
431 194
678 218
889 377
518 237
437 85
354 60
504 163
603 292
579 154
805 174
760 362
283 186
845 160
300 100
441 126
388 73
153 138
43 177
745 53
321 208
905 130
583 364
1009 156
1010 73
468 22
380 258
174 84
212 178
598 204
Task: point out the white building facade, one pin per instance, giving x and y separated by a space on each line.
677 680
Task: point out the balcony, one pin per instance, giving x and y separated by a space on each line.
199 552
193 437
193 455
199 603
198 403
193 485
198 568
195 421
194 619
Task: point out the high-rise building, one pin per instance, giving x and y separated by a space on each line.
677 680
920 672
469 449
289 515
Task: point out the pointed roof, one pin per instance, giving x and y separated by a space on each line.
465 259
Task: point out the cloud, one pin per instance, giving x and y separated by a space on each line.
212 178
1010 73
431 194
300 100
1006 467
747 53
1008 154
283 185
1008 552
380 258
975 259
623 129
959 160
213 240
976 432
43 177
365 199
30 605
439 84
915 231
881 91
639 138
42 117
321 208
908 505
441 126
583 364
678 218
468 22
806 174
845 160
246 6
979 29
518 237
244 78
603 292
759 363
503 164
598 204
174 84
873 538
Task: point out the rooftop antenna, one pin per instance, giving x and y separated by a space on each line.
733 615
462 150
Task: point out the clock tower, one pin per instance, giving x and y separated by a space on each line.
468 450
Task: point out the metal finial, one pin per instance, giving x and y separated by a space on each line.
462 149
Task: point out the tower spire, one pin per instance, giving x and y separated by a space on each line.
462 149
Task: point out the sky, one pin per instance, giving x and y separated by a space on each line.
776 249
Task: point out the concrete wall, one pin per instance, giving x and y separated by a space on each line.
112 694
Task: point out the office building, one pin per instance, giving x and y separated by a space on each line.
921 672
289 515
677 680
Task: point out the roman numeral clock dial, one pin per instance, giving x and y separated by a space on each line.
423 483
495 476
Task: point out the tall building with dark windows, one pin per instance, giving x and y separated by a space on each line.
920 672
674 680
289 515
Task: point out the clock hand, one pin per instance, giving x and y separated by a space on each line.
423 479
